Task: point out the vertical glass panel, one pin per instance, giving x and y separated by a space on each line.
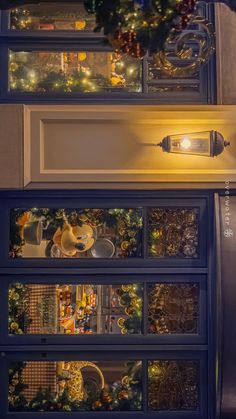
160 82
52 17
73 72
198 143
75 385
173 232
173 308
173 385
76 233
75 309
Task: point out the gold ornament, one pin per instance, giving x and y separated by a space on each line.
121 322
82 56
125 245
80 24
153 370
117 80
157 234
125 380
14 326
15 296
136 302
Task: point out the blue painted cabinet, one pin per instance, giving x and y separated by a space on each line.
106 304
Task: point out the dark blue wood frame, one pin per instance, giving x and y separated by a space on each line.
62 40
148 270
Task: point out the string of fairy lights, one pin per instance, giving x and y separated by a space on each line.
72 72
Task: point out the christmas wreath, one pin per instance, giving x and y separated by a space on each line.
135 27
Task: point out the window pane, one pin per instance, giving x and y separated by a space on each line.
52 17
158 81
173 308
173 232
75 309
76 233
173 385
75 385
73 72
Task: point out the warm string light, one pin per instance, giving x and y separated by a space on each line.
122 72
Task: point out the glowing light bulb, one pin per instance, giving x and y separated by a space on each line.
186 143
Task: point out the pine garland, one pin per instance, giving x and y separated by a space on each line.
137 27
123 395
18 319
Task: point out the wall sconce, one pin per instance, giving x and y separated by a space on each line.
205 143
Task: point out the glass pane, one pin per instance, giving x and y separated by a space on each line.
173 385
76 233
173 232
173 308
75 309
75 385
52 17
159 81
173 88
73 72
198 143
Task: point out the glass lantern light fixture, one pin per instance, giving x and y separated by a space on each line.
204 143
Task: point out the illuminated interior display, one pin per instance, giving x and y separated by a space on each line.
85 309
85 385
173 232
73 72
52 17
76 233
173 308
78 309
173 385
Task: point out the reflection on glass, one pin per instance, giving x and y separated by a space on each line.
52 17
198 143
75 385
73 72
173 385
173 232
75 309
76 233
173 308
160 82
